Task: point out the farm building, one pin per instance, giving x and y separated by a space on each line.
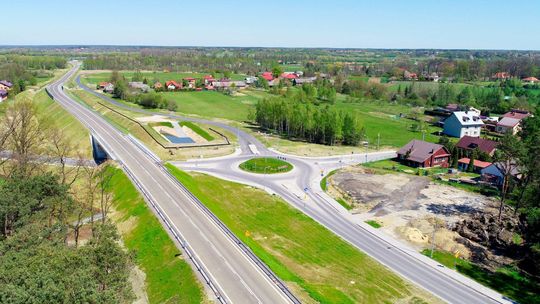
463 123
423 154
463 164
469 143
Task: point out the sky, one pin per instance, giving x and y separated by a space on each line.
443 24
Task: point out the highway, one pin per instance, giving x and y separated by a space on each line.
233 275
304 180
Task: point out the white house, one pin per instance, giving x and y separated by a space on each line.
463 123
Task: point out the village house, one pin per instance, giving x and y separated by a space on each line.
251 79
103 84
208 79
463 123
190 82
173 85
289 75
158 86
268 76
469 143
409 76
3 95
501 76
433 77
530 80
5 85
301 81
229 84
494 173
511 121
423 154
138 85
109 88
478 165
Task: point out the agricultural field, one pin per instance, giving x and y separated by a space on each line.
318 266
95 78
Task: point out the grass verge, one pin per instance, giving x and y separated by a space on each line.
324 181
373 223
197 130
315 263
169 279
508 281
266 165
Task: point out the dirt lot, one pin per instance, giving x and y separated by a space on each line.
408 207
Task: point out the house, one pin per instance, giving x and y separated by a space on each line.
469 143
109 88
172 85
463 123
501 76
3 95
5 85
478 165
423 154
301 81
289 75
191 82
103 84
518 114
251 79
508 124
409 76
208 79
433 77
494 173
138 85
158 86
268 76
229 84
530 80
453 107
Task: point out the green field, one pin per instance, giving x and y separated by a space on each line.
510 282
195 128
316 264
266 165
169 278
95 78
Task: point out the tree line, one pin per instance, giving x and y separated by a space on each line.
53 247
295 116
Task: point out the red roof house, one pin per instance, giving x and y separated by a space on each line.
268 76
501 75
517 114
478 165
103 84
173 85
470 143
531 80
423 154
289 75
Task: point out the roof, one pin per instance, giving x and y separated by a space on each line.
6 83
287 75
452 107
104 83
514 169
208 77
468 118
508 122
419 150
158 85
172 82
189 79
484 145
518 114
305 80
501 75
223 84
3 93
267 75
477 163
531 79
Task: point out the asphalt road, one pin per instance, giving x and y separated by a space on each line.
234 275
444 283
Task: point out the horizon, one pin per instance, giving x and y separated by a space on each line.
447 25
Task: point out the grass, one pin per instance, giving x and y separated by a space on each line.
197 130
162 77
508 281
324 180
313 261
343 203
373 223
169 279
266 165
161 124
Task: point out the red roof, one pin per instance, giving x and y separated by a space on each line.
267 75
501 75
174 83
104 84
189 79
476 163
289 76
531 79
207 77
484 145
517 114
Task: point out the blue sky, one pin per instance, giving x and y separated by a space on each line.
472 24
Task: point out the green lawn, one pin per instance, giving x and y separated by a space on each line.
510 282
313 261
163 77
266 165
161 124
325 180
373 223
169 278
197 130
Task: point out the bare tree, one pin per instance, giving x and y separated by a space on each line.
104 181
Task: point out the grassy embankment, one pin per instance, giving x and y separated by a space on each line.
197 129
316 264
266 165
169 278
510 282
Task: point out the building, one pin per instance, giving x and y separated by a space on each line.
469 143
109 88
463 164
530 80
289 75
501 76
301 81
3 95
268 76
494 173
5 85
229 84
518 114
251 79
507 124
433 77
137 85
103 84
191 82
158 86
463 123
423 154
208 79
409 76
453 107
172 85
